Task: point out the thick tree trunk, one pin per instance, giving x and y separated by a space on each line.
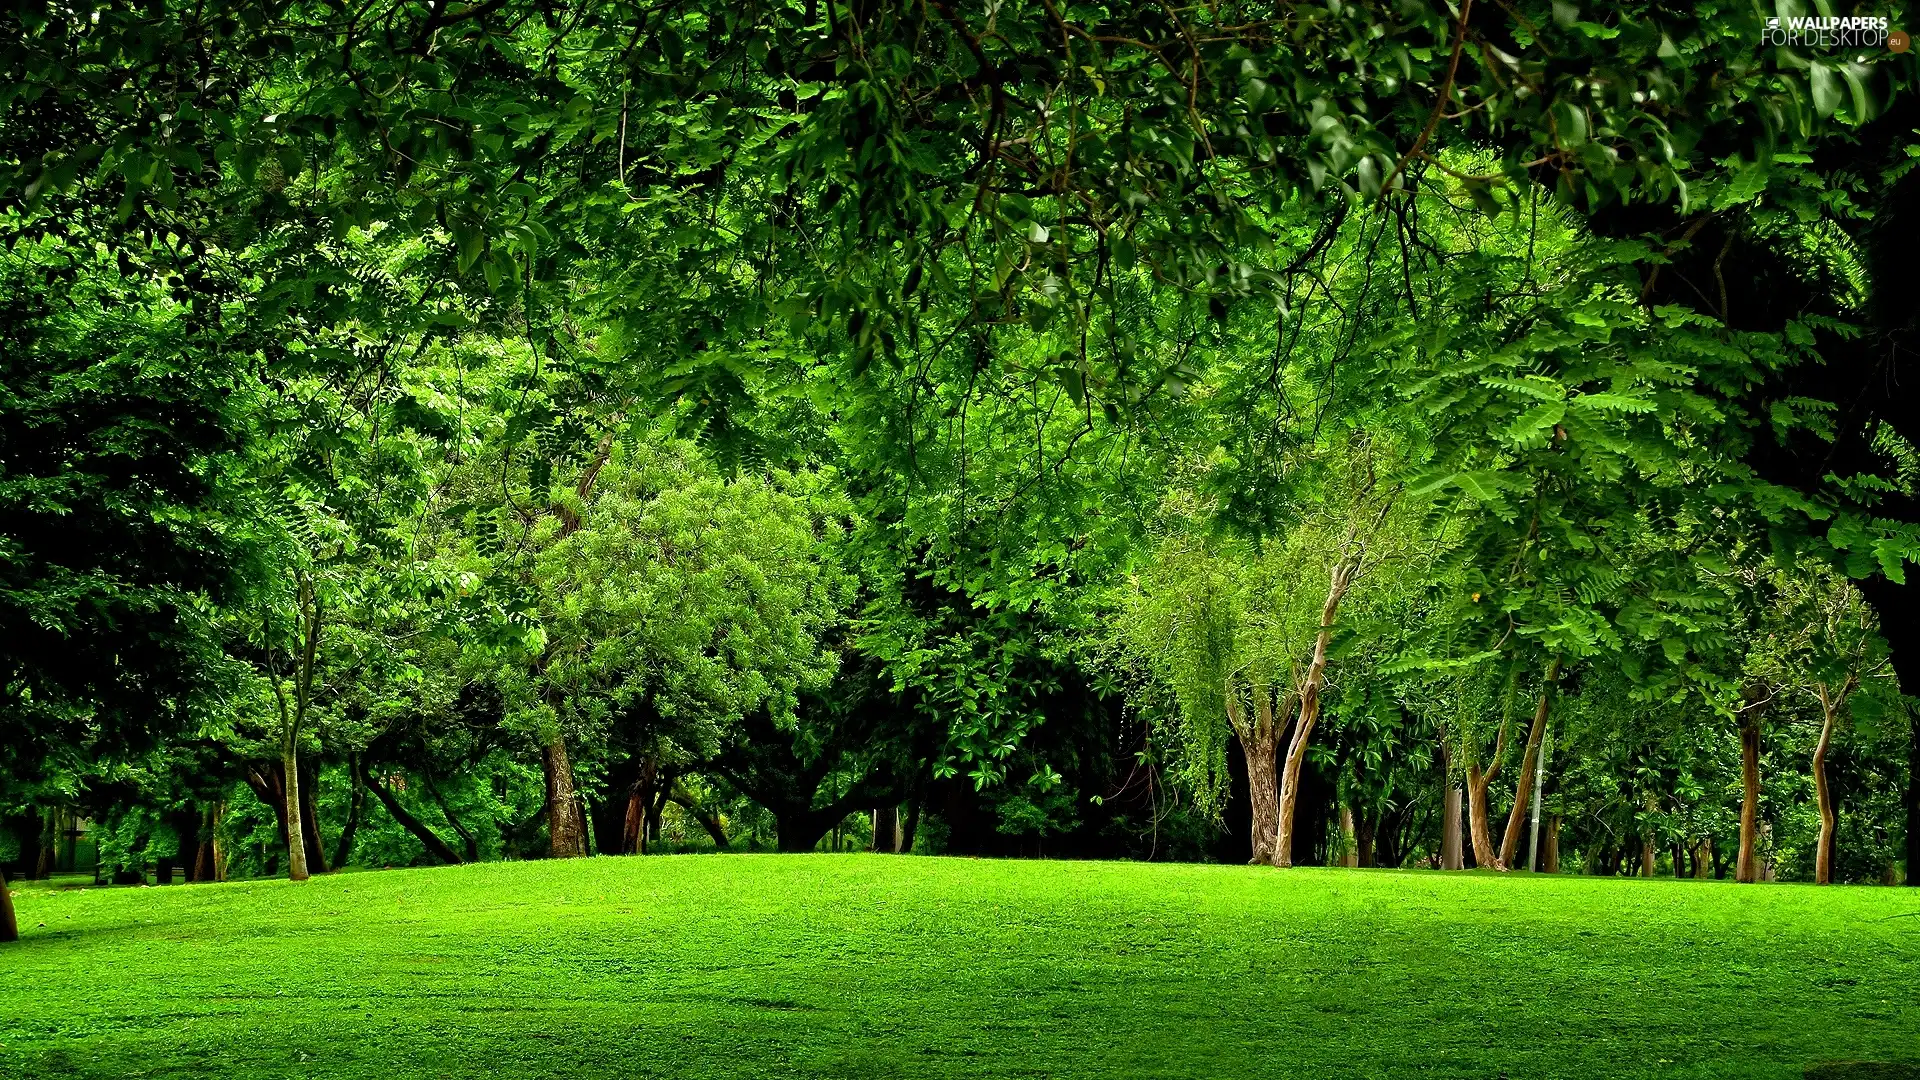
296 833
1550 847
9 925
1479 824
1349 839
886 830
912 826
1450 856
1823 795
429 839
1263 791
1702 859
1523 786
1748 868
565 830
1260 745
1364 826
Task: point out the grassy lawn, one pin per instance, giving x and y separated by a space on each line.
873 966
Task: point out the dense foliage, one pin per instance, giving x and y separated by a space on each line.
440 432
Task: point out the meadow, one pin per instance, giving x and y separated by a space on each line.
862 966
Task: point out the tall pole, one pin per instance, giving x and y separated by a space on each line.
1539 794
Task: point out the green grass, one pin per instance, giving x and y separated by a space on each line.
871 966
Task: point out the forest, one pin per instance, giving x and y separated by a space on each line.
1376 434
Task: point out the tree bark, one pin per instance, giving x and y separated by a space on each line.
1823 854
1349 839
1550 847
886 830
1523 785
1364 826
9 925
1702 859
564 828
310 825
1339 582
1479 823
912 826
1260 744
707 821
296 831
356 800
429 839
1748 868
1913 803
1450 856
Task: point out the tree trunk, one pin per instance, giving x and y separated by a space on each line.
310 825
1702 859
1364 827
1823 854
1450 857
1341 580
1550 847
1523 785
1349 840
1263 791
565 830
1480 827
356 800
429 839
9 926
886 830
1260 745
707 821
1748 869
912 826
218 844
290 786
1913 802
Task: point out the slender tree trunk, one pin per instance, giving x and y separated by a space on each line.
1340 581
1748 868
1550 845
1829 817
356 800
564 828
1523 787
429 839
9 925
310 825
1450 857
218 844
707 821
1364 826
290 785
1913 802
